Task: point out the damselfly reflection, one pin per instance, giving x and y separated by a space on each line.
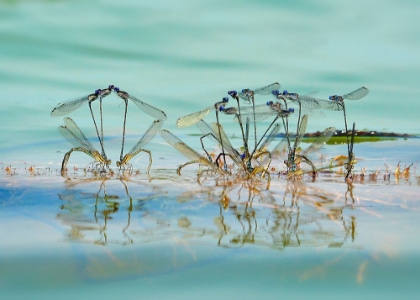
237 215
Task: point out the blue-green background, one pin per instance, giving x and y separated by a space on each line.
183 56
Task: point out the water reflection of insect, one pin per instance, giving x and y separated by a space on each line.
79 212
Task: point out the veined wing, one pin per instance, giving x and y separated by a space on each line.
213 134
357 94
181 146
309 102
193 118
266 90
258 116
320 141
279 150
69 106
261 108
207 130
74 135
147 108
331 105
147 136
226 143
270 137
302 130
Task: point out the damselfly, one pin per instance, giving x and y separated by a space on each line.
69 106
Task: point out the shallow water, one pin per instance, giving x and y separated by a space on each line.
171 236
175 237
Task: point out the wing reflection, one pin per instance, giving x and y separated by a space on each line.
292 214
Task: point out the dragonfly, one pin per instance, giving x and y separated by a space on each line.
69 106
145 139
188 152
193 118
76 137
147 108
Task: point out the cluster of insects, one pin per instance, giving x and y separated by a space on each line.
251 158
77 138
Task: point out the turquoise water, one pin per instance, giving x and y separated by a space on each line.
173 237
181 57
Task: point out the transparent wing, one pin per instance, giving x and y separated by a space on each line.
278 151
147 136
330 105
226 143
261 108
69 106
320 141
302 130
258 116
180 146
147 108
74 135
207 130
266 90
193 118
309 102
357 94
270 137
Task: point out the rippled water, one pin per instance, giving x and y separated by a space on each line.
184 239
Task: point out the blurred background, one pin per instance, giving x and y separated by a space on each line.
183 56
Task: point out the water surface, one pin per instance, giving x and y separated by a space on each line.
172 237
